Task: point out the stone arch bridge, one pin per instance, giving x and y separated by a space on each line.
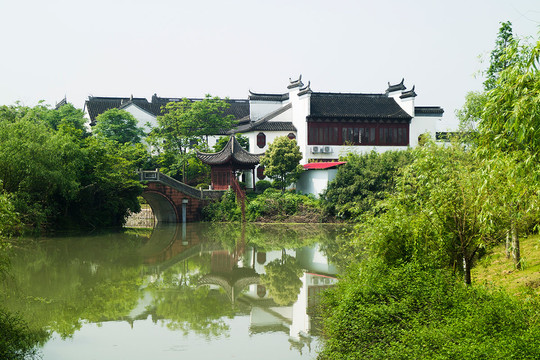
173 201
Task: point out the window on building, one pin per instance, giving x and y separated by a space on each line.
357 134
291 136
261 140
260 172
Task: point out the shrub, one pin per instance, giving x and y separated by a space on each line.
413 311
262 185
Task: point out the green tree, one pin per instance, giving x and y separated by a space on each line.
185 125
222 141
498 60
51 174
362 181
509 122
118 125
282 161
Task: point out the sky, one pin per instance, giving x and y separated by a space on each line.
175 48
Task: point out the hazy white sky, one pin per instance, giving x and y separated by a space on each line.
176 48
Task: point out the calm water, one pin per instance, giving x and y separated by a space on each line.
199 291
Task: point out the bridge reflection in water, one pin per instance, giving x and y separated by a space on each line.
240 262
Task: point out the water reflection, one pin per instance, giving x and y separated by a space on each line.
191 278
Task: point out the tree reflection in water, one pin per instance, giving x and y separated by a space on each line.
191 278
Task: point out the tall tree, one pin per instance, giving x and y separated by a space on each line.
499 59
187 124
282 161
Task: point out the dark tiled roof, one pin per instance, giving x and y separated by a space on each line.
275 126
397 87
268 97
97 105
232 152
357 106
257 124
428 111
60 103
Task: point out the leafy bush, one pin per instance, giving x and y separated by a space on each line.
362 181
203 186
262 185
279 205
417 312
224 210
272 205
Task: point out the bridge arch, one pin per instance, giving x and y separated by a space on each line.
163 208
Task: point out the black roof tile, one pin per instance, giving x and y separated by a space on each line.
428 111
268 97
275 126
97 105
361 106
232 152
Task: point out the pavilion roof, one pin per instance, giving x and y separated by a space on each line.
231 153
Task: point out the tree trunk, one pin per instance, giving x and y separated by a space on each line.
467 270
515 247
507 245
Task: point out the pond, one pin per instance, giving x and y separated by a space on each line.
192 291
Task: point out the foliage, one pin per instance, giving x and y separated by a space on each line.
510 118
224 210
223 140
278 206
118 125
362 181
282 280
56 177
186 125
262 185
498 60
443 211
18 342
416 312
9 219
272 205
282 161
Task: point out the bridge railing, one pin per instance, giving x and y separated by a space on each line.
167 180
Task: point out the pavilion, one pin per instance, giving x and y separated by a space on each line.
226 162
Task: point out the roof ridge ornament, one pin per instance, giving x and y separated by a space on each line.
408 94
397 87
305 90
295 83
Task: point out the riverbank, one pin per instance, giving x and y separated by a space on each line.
496 270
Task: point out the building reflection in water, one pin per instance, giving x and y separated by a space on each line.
238 271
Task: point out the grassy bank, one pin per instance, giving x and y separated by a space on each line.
496 269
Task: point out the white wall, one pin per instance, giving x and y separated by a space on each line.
421 125
315 181
142 117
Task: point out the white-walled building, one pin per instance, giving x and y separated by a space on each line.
326 125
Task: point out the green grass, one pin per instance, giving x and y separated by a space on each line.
496 270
